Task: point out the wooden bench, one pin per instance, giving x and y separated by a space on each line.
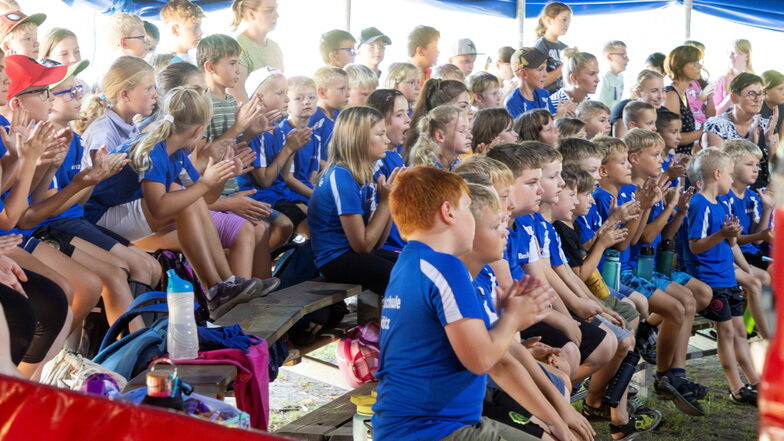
332 421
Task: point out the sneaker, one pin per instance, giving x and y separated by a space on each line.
699 390
596 413
746 395
226 295
631 392
677 389
637 425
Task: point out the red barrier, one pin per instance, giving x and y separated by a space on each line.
31 411
771 400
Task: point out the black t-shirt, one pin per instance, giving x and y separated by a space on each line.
553 52
570 241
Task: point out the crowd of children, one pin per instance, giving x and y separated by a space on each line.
507 219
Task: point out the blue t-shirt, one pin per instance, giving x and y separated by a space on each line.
549 240
486 284
126 186
715 266
521 246
516 104
385 166
336 193
749 211
5 124
71 166
634 252
322 127
424 391
306 161
267 147
603 200
589 224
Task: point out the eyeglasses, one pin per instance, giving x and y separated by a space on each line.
350 50
752 95
624 55
137 37
44 93
74 93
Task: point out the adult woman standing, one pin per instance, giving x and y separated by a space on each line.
683 65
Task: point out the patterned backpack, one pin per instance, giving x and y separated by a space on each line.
357 354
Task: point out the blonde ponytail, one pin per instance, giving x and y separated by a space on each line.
425 150
184 108
552 10
125 74
239 8
574 62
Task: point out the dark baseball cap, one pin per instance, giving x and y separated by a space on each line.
371 34
527 57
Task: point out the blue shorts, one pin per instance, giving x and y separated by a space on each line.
555 379
83 229
636 283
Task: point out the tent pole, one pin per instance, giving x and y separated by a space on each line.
687 4
347 17
520 22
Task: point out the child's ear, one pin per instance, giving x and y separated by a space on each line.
175 29
632 124
633 158
446 213
197 131
208 67
14 103
321 92
439 135
603 171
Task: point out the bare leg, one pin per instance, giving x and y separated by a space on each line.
725 342
684 296
601 378
262 264
742 351
598 358
673 317
281 231
303 228
241 252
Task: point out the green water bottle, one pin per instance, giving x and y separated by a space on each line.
665 257
645 263
611 271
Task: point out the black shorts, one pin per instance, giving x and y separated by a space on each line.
56 239
726 304
499 406
292 211
756 260
592 337
83 229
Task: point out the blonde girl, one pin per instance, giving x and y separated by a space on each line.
107 119
444 135
740 61
581 77
648 88
407 78
62 46
261 18
348 214
553 23
146 199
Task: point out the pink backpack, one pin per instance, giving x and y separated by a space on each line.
357 354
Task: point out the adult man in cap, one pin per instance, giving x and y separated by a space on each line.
464 55
372 44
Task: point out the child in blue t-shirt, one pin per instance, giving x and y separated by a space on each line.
675 304
753 210
275 151
394 106
713 234
529 65
437 342
147 197
333 94
305 163
348 213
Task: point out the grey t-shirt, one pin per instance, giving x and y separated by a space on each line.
553 51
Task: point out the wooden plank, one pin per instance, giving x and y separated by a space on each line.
318 424
310 296
265 321
211 380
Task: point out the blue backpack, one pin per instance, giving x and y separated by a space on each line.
296 263
130 355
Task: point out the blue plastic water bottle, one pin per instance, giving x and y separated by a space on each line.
611 271
645 263
182 338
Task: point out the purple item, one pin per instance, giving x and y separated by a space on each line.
101 384
251 388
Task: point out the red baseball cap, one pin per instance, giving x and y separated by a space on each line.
11 19
25 72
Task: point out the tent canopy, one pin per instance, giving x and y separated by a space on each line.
766 14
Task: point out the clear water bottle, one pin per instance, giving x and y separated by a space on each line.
361 429
611 270
645 262
182 339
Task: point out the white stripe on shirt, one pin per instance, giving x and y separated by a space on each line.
334 186
448 302
705 223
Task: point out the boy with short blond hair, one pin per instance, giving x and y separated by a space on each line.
126 35
610 89
182 18
362 81
639 114
435 332
713 234
596 116
333 94
19 33
485 88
